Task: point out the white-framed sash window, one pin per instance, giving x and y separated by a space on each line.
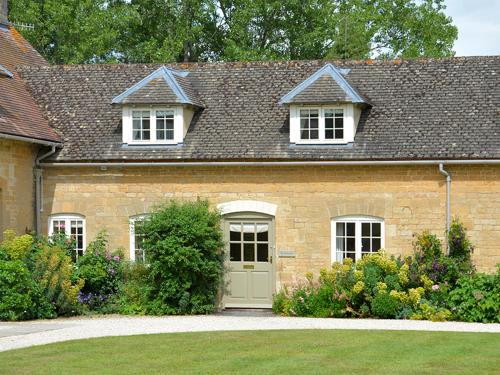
355 236
73 226
137 253
154 125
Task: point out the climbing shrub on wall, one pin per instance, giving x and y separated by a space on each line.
184 249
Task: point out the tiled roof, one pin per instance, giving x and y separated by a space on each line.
19 114
419 109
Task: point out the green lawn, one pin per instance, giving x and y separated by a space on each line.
265 352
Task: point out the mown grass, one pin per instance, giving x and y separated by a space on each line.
265 352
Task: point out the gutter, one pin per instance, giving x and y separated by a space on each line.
38 188
30 140
448 202
269 163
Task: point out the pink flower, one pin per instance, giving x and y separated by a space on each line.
435 287
117 258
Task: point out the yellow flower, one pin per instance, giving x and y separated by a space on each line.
358 287
427 282
403 274
381 286
358 275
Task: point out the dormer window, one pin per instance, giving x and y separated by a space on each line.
324 108
158 109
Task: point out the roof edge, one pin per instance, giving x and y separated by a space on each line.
30 140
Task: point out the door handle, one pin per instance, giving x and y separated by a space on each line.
270 259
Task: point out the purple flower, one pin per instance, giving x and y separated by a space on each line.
435 287
117 258
111 271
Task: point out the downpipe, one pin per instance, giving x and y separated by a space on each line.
38 189
448 202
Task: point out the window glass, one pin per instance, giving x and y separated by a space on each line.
141 126
357 237
72 227
334 123
309 124
164 125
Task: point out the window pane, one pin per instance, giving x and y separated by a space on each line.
160 135
328 134
262 252
339 134
350 244
376 244
136 124
340 229
304 113
145 135
328 123
365 245
351 229
313 112
339 123
235 232
365 229
340 244
249 252
314 134
145 123
313 123
235 252
376 229
169 124
262 232
328 112
248 232
169 134
339 112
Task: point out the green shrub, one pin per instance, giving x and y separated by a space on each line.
15 291
383 305
476 298
134 289
53 273
16 247
459 245
102 273
184 247
427 247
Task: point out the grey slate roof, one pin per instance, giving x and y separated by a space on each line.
420 109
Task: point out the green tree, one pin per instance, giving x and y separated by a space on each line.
73 31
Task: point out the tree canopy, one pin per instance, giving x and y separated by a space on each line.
93 31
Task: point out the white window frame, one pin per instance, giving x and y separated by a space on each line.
132 221
349 128
357 220
127 113
67 218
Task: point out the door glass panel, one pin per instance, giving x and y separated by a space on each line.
248 252
248 232
262 232
262 252
234 232
235 252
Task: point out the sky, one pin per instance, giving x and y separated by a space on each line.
478 23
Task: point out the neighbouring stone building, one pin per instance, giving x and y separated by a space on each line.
310 162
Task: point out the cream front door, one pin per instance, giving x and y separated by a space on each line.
250 276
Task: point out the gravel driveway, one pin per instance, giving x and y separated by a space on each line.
24 334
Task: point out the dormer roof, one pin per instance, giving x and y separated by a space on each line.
326 85
163 86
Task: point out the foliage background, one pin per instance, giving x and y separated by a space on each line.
96 31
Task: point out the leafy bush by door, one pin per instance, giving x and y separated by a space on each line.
184 249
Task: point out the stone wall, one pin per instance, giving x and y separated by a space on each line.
16 185
410 199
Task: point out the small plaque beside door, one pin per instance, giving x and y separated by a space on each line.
248 266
